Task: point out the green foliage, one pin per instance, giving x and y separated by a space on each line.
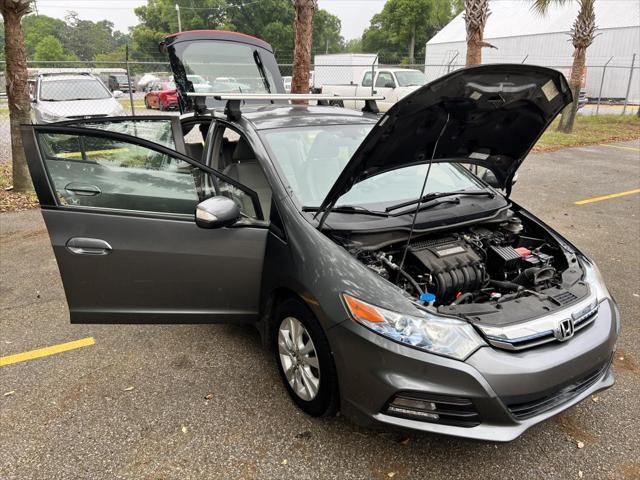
271 20
392 30
50 48
74 38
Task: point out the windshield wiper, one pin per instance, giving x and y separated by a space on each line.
349 209
432 196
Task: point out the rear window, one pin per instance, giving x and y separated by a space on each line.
226 67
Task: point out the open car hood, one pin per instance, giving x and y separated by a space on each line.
230 62
490 115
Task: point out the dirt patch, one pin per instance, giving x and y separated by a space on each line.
20 236
11 201
570 425
627 471
624 361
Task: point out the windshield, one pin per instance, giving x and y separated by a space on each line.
312 158
121 78
225 67
410 78
60 90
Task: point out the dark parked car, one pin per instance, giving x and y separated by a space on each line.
161 95
120 82
391 282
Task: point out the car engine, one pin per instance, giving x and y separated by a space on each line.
487 263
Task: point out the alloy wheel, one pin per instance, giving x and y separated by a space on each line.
298 358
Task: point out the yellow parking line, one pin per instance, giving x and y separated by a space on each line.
607 197
46 351
620 146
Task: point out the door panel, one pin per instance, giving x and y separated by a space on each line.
120 215
158 270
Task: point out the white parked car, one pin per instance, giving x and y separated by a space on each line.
58 97
392 83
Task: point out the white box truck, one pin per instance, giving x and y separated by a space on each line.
341 68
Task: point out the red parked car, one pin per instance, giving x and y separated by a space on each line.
161 95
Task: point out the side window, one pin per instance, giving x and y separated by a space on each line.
234 157
384 79
367 79
106 173
157 131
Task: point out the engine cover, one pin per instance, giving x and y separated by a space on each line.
453 264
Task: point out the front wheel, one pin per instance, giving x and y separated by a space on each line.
304 359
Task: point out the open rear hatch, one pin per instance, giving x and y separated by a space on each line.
215 61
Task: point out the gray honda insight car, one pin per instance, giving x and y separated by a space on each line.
382 258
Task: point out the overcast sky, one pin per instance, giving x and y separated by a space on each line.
354 14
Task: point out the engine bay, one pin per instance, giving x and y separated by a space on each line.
497 272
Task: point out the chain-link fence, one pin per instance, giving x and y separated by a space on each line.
65 90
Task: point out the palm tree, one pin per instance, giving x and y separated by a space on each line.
476 13
303 30
582 35
17 86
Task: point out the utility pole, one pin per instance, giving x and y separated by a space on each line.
179 20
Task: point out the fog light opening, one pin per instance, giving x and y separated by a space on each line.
433 408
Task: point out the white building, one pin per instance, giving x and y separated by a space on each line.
522 35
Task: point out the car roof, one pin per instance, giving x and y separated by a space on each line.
287 116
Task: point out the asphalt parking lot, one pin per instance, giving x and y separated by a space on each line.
161 402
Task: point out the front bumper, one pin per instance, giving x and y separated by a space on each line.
373 369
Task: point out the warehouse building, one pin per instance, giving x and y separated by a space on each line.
521 35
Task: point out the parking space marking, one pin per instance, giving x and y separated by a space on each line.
46 351
634 149
607 197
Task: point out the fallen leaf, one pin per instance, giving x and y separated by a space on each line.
305 434
184 429
209 396
580 473
285 461
580 444
8 394
404 441
595 399
128 389
391 474
636 295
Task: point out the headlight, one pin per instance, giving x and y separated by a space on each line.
431 333
593 278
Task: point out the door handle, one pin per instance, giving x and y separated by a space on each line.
83 189
88 246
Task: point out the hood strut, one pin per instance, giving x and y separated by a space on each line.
424 186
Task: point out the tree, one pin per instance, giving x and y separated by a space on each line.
49 48
476 13
17 86
303 29
406 25
582 35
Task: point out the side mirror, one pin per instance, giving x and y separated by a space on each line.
389 85
217 212
117 93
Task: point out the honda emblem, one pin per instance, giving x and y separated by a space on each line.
564 330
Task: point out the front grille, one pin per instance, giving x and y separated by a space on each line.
580 321
534 407
445 410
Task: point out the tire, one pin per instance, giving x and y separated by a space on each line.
336 103
324 402
160 106
146 103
